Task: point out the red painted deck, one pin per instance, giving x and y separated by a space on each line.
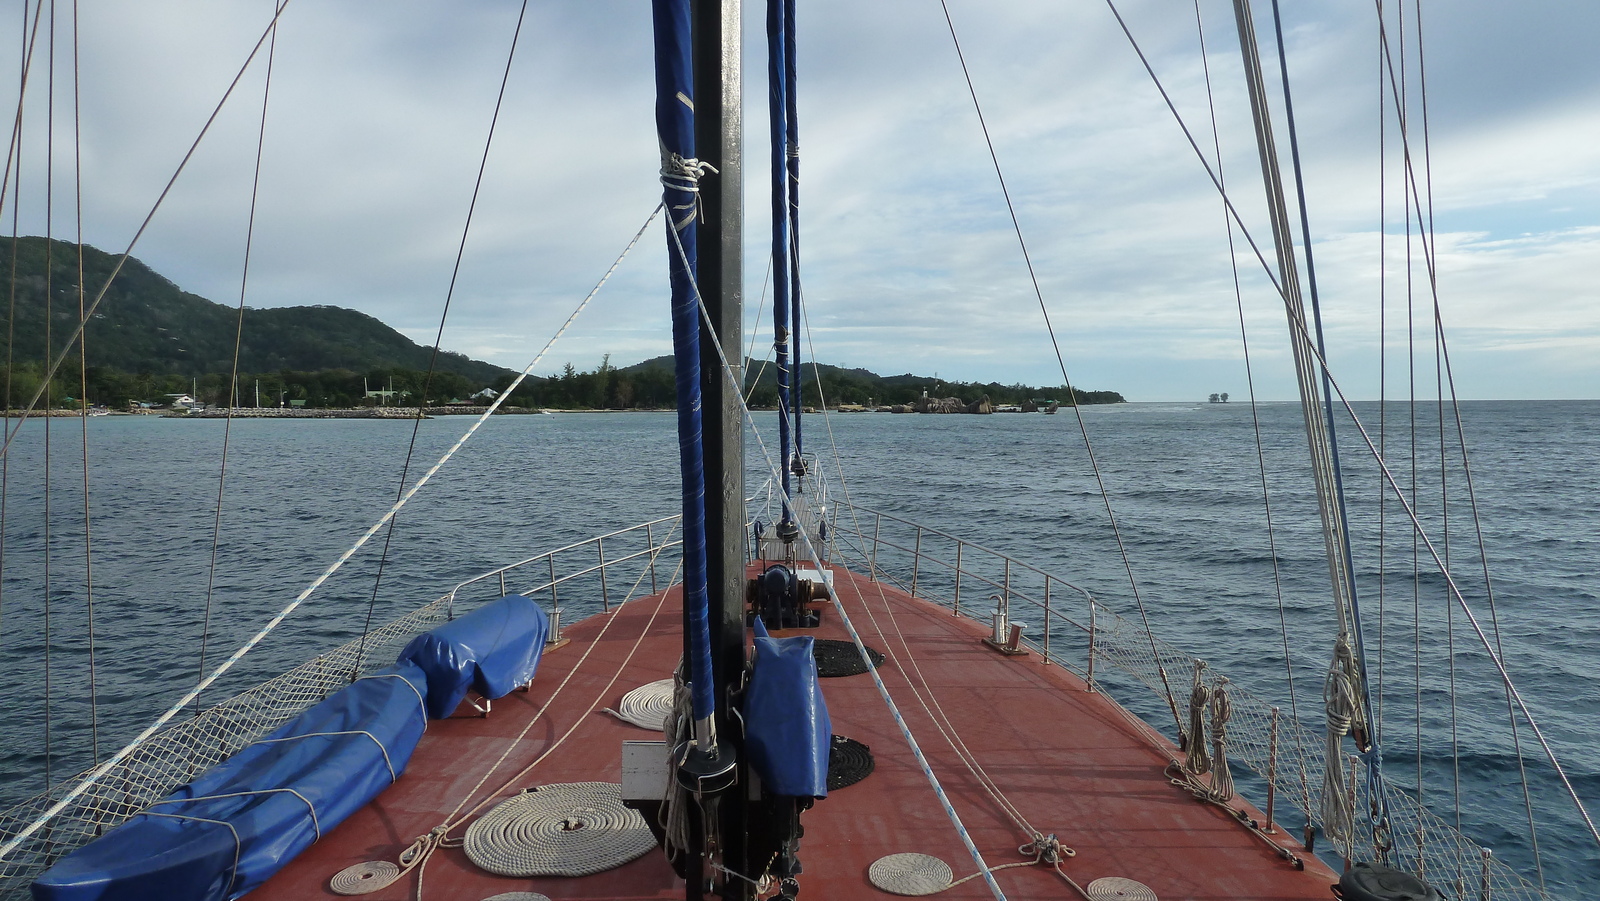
1068 759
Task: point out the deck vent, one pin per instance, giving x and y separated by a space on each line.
840 658
849 762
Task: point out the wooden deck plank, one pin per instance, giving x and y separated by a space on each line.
1067 758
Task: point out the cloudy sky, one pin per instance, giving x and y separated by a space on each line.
378 114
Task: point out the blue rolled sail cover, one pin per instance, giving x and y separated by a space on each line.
197 845
787 729
491 650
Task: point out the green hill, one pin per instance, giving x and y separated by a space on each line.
860 386
147 324
150 338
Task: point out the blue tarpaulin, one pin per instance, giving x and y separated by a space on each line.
787 729
491 650
237 824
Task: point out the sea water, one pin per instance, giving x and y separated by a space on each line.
1185 488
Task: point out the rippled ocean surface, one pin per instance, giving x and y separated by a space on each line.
1183 479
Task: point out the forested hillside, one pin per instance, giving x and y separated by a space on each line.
148 324
149 338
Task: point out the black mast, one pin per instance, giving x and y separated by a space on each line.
720 273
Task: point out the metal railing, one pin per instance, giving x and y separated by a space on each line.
649 542
946 569
587 576
1080 633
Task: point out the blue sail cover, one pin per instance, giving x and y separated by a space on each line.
237 824
787 729
680 180
491 650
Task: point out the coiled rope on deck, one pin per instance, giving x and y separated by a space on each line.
420 851
569 829
646 706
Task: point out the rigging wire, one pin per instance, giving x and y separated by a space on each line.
49 296
1438 370
1375 757
1408 178
1456 594
1387 67
1077 410
127 252
755 329
238 340
1383 373
1443 360
924 695
99 772
438 338
30 40
844 618
1255 419
1514 697
1494 614
83 390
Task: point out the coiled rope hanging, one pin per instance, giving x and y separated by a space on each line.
1221 712
1343 716
1197 763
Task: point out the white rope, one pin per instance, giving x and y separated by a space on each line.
316 826
1343 713
1221 710
99 772
910 873
1197 763
925 695
647 706
674 815
680 174
364 878
420 851
386 761
568 829
421 702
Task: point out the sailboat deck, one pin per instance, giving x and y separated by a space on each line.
1070 760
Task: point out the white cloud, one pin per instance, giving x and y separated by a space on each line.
377 122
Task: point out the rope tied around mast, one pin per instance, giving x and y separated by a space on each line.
683 174
1342 708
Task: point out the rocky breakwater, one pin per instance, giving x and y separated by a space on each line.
952 405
